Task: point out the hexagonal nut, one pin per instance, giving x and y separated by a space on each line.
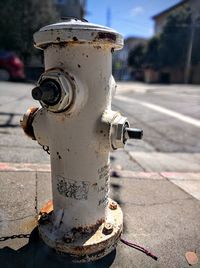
117 133
43 218
113 205
108 228
67 87
68 238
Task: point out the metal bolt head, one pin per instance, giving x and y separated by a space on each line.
43 218
68 238
108 228
113 205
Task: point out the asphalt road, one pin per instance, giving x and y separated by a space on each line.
163 131
169 116
15 147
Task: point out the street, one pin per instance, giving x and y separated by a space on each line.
156 180
168 115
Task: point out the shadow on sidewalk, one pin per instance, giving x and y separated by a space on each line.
37 255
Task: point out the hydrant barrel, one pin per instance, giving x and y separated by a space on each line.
79 141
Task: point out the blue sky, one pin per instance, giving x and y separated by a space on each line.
129 17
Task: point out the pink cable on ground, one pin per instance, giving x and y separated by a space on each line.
142 249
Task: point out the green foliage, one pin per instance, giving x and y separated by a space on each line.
174 40
151 57
19 20
145 55
196 43
136 56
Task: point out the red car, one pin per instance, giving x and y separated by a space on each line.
11 67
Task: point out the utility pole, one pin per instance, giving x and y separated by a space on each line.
189 53
108 17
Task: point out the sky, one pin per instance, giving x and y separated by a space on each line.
129 17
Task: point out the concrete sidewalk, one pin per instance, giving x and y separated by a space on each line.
158 214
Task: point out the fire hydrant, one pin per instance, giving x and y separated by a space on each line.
78 128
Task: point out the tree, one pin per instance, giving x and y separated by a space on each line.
19 20
136 57
145 55
151 56
169 48
174 40
176 47
195 59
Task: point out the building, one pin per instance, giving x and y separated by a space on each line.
121 70
161 18
176 75
71 8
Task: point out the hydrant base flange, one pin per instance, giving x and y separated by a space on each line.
83 244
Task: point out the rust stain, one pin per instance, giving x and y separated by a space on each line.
106 36
47 208
94 250
100 36
87 229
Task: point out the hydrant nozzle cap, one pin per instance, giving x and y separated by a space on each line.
49 92
79 32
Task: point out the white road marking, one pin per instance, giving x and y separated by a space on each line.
184 118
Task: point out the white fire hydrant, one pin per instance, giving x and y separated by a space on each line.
78 128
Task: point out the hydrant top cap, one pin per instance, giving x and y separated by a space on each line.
79 32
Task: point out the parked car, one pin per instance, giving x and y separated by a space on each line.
11 67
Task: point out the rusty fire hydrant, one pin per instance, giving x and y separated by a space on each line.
78 128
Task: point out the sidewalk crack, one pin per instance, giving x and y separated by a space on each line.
36 186
134 160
